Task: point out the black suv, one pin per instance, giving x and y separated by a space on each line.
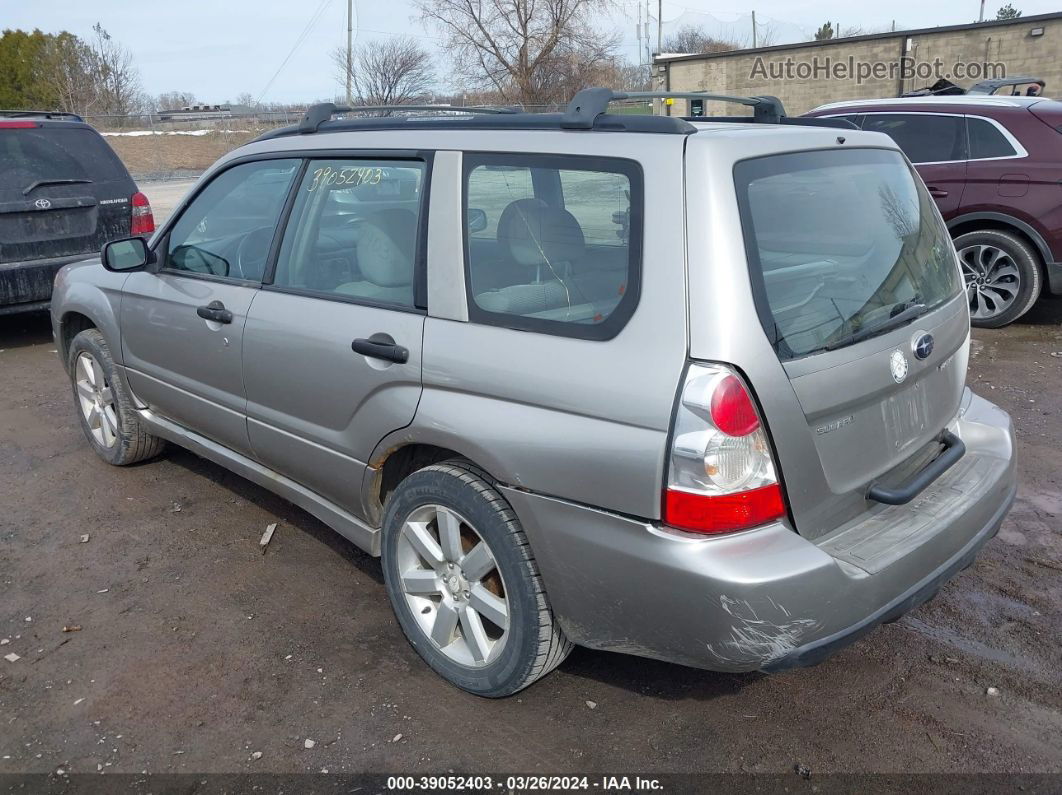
63 194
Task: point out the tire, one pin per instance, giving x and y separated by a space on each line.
998 265
107 414
430 597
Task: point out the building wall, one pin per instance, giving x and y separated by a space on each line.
735 73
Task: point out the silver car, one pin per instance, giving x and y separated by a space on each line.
684 389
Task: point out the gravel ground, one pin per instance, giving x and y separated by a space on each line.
194 651
164 196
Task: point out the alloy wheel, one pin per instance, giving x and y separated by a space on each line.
452 585
96 399
992 279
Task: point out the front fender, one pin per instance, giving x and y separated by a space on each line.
86 294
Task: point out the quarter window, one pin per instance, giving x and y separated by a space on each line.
561 249
229 226
923 137
353 231
987 141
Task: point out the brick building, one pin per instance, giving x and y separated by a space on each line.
808 74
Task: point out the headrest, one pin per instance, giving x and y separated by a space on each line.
535 233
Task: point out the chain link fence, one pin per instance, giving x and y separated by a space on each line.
181 144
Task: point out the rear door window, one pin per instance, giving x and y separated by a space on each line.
354 230
560 250
840 243
923 137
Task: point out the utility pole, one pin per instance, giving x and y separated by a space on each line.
659 26
753 29
982 17
350 42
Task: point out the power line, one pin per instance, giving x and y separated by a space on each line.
302 37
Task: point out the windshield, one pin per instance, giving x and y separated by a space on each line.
842 245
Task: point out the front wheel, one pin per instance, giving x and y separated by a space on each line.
1002 275
108 416
464 585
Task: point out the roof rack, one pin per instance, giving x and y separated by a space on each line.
316 115
40 114
590 103
993 85
946 88
586 111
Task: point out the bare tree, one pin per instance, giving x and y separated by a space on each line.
175 100
692 39
117 78
520 48
392 72
766 34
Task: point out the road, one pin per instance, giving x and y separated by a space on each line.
195 651
165 195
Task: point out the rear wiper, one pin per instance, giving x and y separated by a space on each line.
34 185
905 315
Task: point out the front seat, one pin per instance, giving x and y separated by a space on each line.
385 242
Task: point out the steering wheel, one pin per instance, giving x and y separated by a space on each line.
252 252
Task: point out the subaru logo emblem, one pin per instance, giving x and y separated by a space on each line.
922 345
42 204
898 366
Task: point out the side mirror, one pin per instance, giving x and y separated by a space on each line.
126 255
476 220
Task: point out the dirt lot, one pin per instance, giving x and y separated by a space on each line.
195 650
174 154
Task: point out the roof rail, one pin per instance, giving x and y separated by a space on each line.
590 103
991 86
40 114
316 115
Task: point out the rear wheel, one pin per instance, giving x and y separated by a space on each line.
105 408
1002 275
464 585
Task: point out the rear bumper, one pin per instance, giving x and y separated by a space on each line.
768 598
27 286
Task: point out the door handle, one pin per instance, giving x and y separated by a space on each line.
937 193
381 346
215 311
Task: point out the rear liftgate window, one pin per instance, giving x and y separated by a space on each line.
839 244
553 243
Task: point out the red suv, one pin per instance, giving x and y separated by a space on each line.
994 166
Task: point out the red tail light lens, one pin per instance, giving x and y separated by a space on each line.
143 222
731 408
722 475
17 125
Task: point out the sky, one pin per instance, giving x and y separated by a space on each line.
219 49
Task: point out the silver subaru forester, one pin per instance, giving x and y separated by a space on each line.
686 389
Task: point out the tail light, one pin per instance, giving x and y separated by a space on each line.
721 476
143 222
17 125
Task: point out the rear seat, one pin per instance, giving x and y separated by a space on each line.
547 253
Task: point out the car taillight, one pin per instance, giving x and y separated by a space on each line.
721 476
17 125
143 222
